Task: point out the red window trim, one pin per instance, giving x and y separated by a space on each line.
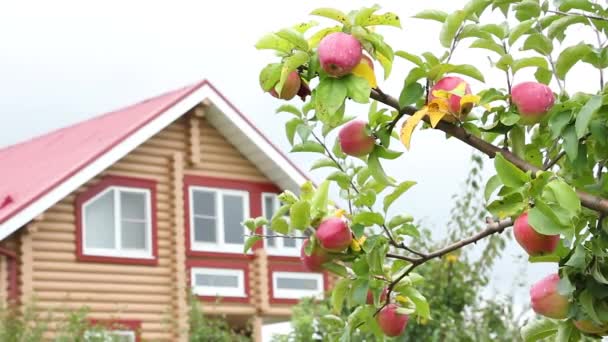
105 183
291 267
12 268
244 266
255 190
119 324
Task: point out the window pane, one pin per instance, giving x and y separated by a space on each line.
203 202
233 216
297 284
287 242
217 280
99 222
268 212
133 235
133 205
205 230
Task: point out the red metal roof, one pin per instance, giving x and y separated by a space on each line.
30 169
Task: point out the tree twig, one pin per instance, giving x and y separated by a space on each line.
589 201
594 17
554 160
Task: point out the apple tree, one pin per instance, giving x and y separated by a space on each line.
549 148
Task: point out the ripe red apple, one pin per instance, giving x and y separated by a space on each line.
315 260
449 83
533 100
546 300
533 242
290 88
339 53
589 327
370 296
392 323
334 235
354 140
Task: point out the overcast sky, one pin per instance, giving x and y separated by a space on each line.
65 61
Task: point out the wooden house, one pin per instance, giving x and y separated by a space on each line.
128 212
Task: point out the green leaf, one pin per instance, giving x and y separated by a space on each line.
476 7
270 75
290 64
505 62
430 59
509 174
468 70
320 199
368 218
538 43
565 195
586 300
493 183
558 121
279 225
422 306
410 94
314 40
273 42
586 113
294 37
538 62
375 167
537 330
543 223
567 5
410 57
287 108
570 142
399 220
323 162
450 27
385 153
517 139
261 221
436 15
543 76
510 205
331 13
250 224
338 294
566 332
304 27
364 14
473 30
414 75
308 146
358 88
359 292
519 30
250 242
488 45
330 95
500 31
290 128
397 192
557 28
337 269
387 19
527 9
569 57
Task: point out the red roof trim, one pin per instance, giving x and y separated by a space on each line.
91 192
98 155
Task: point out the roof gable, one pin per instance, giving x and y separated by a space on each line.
38 173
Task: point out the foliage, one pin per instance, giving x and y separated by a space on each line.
551 167
204 328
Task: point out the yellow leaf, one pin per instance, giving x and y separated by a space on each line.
460 89
409 125
402 299
436 117
364 70
355 246
469 98
362 240
441 94
339 213
451 258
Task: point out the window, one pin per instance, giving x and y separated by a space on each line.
295 285
218 282
110 336
117 222
216 217
280 245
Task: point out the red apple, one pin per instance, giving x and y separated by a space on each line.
334 234
392 323
533 242
370 296
290 88
304 91
315 260
533 101
589 327
354 140
339 53
449 83
546 300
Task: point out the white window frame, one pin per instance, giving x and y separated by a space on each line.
118 251
218 291
109 334
297 294
220 246
279 248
